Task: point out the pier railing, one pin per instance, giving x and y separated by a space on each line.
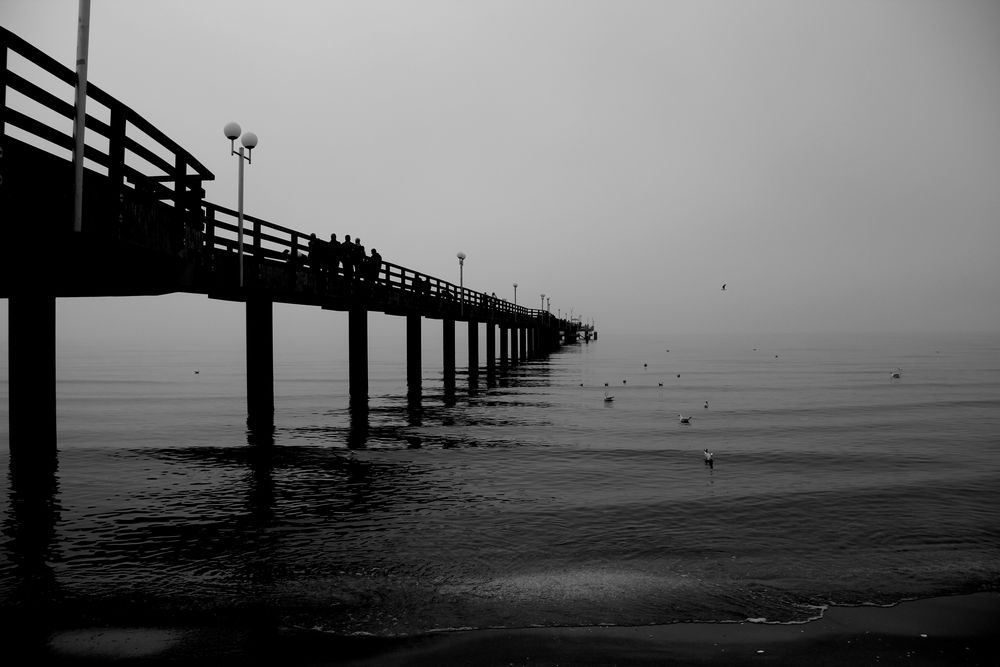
144 196
279 257
122 145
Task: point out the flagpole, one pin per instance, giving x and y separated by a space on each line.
79 126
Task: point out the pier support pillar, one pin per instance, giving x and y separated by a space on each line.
413 362
31 356
260 363
448 341
515 339
503 348
357 344
473 351
491 353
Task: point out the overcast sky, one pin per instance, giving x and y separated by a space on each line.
836 163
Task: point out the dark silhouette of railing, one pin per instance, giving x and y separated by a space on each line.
280 261
177 176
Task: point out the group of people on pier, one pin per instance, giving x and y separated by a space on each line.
333 259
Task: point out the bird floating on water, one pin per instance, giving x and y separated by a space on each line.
684 420
607 398
723 287
895 373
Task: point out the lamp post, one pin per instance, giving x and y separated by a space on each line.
248 142
548 304
515 294
461 291
542 307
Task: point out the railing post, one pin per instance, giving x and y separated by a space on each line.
209 247
3 106
180 169
180 200
116 166
294 264
257 264
3 96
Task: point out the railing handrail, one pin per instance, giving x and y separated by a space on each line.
407 277
13 43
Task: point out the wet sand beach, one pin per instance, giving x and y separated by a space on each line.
957 630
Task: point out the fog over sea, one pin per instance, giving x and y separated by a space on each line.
531 503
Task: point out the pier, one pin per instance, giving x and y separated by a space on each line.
147 229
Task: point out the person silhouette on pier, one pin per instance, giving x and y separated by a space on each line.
357 252
317 260
373 267
333 258
345 255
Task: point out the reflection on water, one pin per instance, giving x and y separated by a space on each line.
518 504
30 546
357 433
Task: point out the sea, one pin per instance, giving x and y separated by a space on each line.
524 502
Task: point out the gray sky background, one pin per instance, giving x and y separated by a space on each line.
836 163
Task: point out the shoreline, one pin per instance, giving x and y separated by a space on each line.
933 631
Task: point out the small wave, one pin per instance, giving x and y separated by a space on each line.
818 610
576 584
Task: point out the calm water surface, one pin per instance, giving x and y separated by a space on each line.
530 503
